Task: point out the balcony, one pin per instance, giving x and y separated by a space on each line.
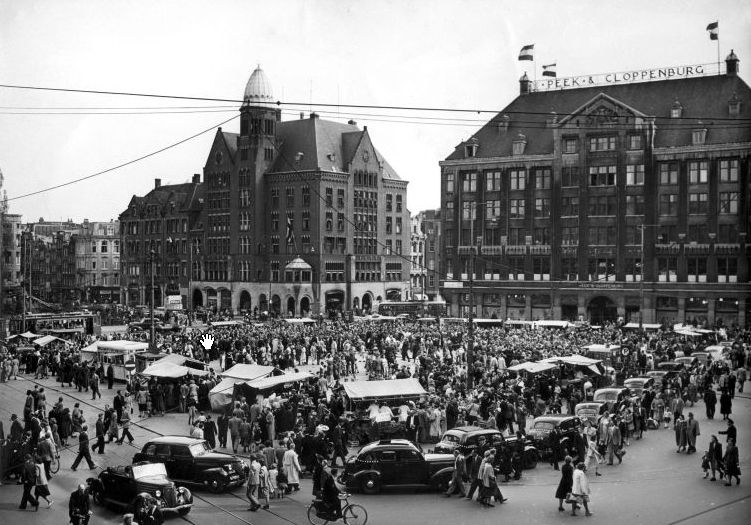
491 250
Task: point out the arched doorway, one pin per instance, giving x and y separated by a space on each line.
290 306
367 302
245 300
305 306
601 309
263 302
276 305
197 298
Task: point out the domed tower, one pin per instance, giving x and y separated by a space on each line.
258 119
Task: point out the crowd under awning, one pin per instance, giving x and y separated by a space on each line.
171 371
384 389
532 367
47 339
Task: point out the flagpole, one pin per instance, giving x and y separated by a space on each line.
719 71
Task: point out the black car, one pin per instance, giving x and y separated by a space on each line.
568 426
190 460
396 463
469 438
123 485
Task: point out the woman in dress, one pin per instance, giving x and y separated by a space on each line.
726 404
580 490
270 426
66 426
41 490
714 455
681 439
732 469
566 483
291 465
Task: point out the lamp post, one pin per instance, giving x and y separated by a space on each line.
470 317
152 345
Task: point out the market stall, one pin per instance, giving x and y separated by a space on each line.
119 354
222 394
265 386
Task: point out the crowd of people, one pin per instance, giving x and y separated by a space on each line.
307 428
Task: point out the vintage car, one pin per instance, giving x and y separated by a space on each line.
191 461
396 463
567 425
610 396
590 411
702 357
469 438
122 487
670 366
637 385
687 362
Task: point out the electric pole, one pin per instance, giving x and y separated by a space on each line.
470 317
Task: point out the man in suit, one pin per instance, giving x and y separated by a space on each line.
412 426
692 432
29 476
99 434
78 506
83 449
457 478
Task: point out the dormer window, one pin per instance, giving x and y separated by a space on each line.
677 110
470 148
519 145
734 106
503 123
699 135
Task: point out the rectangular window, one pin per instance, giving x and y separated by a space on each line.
306 196
634 142
634 204
697 269
542 179
449 207
449 183
389 224
340 198
517 179
570 269
602 269
728 233
389 202
329 197
274 197
515 236
516 268
103 247
569 206
492 209
668 173
634 174
606 143
729 203
329 221
698 172
698 203
542 208
469 210
290 197
727 270
633 234
603 205
668 204
398 204
469 182
493 181
541 268
570 176
698 232
602 235
306 220
541 235
633 270
398 225
602 175
570 235
667 269
516 208
729 170
398 246
570 145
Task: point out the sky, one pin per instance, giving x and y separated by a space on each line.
433 53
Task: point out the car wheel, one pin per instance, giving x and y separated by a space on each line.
443 483
530 460
370 484
216 485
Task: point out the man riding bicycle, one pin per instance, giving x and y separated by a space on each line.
78 506
331 504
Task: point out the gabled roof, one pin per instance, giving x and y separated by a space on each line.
700 97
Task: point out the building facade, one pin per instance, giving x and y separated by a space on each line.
48 265
10 251
418 271
619 201
295 217
431 228
98 261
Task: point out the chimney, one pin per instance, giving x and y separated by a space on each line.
313 115
731 63
196 178
352 123
302 115
525 85
157 183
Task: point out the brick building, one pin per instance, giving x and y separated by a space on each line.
97 247
431 227
556 191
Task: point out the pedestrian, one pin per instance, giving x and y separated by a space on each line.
475 461
741 378
679 425
292 468
692 432
580 490
222 428
457 477
710 401
41 489
29 477
125 421
731 431
714 455
110 376
78 506
254 480
726 404
567 482
593 457
95 386
99 427
209 432
732 468
45 452
264 485
83 449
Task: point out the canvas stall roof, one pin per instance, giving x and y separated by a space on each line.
123 346
389 388
272 381
171 371
47 339
532 367
245 372
303 320
181 360
579 360
227 323
646 326
30 335
601 349
221 395
552 324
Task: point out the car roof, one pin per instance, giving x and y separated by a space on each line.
640 378
610 389
177 440
388 444
554 418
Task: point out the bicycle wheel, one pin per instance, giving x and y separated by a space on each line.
355 514
313 516
55 464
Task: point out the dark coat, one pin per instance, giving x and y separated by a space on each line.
78 504
567 481
726 404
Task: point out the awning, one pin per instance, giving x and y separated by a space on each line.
578 360
265 383
553 324
645 326
47 339
226 323
384 389
171 371
601 349
30 335
303 320
594 369
532 367
244 372
177 359
221 395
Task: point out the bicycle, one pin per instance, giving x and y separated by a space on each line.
55 464
352 513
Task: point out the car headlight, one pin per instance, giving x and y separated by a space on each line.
158 493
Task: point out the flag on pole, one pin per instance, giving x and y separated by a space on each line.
527 52
549 70
290 233
714 30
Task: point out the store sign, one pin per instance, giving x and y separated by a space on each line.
174 302
625 77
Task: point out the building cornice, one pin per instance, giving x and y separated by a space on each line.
480 161
743 148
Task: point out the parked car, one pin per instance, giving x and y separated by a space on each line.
661 376
590 411
568 427
396 463
191 461
122 486
687 362
702 357
670 366
469 438
610 396
637 385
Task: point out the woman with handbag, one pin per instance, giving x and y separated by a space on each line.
563 492
580 490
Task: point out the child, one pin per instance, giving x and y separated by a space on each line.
705 465
281 482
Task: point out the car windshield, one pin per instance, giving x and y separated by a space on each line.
606 396
544 425
198 449
149 469
450 438
634 383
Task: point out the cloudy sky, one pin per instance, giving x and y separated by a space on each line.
433 53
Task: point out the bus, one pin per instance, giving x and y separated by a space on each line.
61 324
413 308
